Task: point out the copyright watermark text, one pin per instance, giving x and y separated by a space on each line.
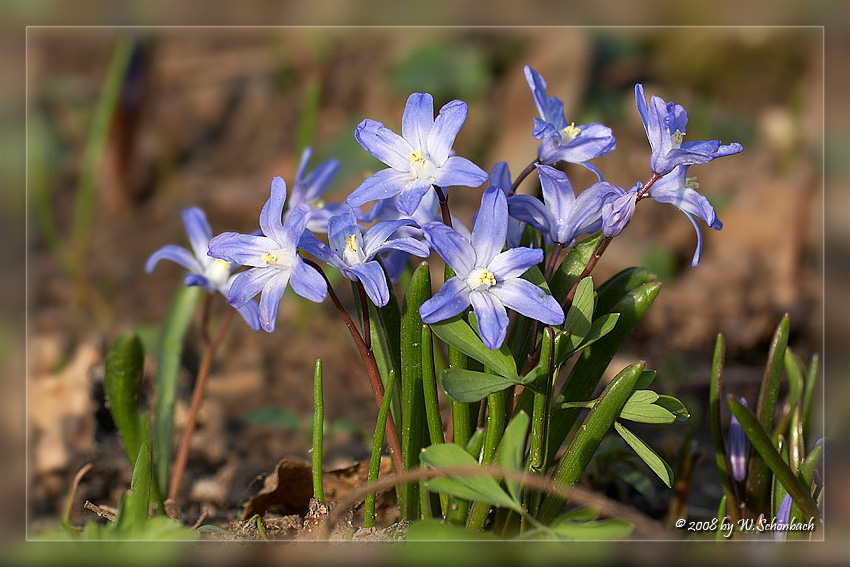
726 527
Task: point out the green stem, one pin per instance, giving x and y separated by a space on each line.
377 445
432 402
715 393
318 432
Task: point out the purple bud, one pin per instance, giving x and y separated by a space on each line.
782 519
739 448
818 478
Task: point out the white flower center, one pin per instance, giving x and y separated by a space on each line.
692 183
421 167
217 272
278 258
677 138
569 133
352 253
480 280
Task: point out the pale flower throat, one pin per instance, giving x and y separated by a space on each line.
480 280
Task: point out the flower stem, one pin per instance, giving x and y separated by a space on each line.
553 259
522 175
364 307
371 368
318 432
197 395
444 205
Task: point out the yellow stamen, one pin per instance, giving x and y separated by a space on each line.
269 258
691 182
486 278
351 242
571 131
416 159
678 136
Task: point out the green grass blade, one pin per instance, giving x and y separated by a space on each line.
715 394
809 390
167 372
377 445
761 443
318 432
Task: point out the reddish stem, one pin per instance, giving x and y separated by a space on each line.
521 177
444 205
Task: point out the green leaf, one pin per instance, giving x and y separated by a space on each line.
476 443
674 406
479 488
809 390
805 474
566 344
434 530
513 449
594 359
579 317
167 372
457 333
645 380
615 288
573 265
758 483
714 395
587 440
122 374
640 408
471 386
645 452
135 504
579 515
761 443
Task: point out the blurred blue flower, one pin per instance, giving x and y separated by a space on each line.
783 517
419 158
679 190
739 448
211 274
353 253
486 277
562 216
562 141
309 188
665 123
274 258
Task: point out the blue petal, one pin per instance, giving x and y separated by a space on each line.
530 300
319 217
551 109
307 282
197 280
320 250
417 120
319 178
460 171
293 230
176 254
406 244
492 318
340 228
617 213
394 261
491 226
270 216
451 246
593 141
452 298
384 144
446 127
270 299
500 176
250 312
384 184
529 209
560 199
698 251
514 262
375 237
248 284
586 215
410 197
198 229
302 166
244 249
670 189
642 107
374 281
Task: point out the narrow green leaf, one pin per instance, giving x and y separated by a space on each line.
646 453
805 474
778 491
641 408
579 317
457 333
719 534
573 265
476 443
434 530
513 449
122 374
412 393
595 426
715 394
377 445
569 345
646 379
761 443
479 488
594 359
579 515
136 503
758 483
809 390
471 386
318 432
616 287
167 372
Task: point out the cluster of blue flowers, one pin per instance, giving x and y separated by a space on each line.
407 217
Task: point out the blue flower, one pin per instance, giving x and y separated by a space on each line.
664 123
618 210
500 177
677 189
310 188
273 258
211 274
783 517
562 141
353 253
562 216
419 158
739 448
486 277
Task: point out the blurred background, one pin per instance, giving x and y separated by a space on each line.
207 116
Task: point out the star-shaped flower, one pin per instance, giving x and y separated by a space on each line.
487 278
309 188
273 257
211 274
419 158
